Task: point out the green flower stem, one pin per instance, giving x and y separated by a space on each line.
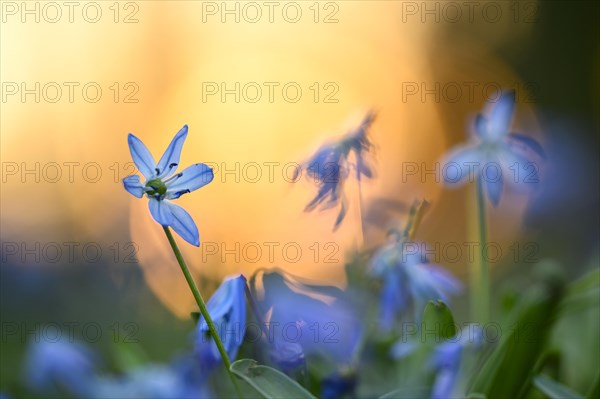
415 215
360 215
481 288
202 306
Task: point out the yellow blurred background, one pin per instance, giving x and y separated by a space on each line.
154 74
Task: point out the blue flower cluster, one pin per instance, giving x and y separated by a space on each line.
313 333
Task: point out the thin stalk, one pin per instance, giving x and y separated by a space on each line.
482 287
360 214
257 313
202 306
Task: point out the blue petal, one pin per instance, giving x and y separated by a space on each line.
461 165
392 300
133 185
402 349
443 280
493 188
529 143
342 214
227 308
444 384
481 126
190 179
501 117
170 159
160 211
68 365
183 224
287 355
293 303
141 157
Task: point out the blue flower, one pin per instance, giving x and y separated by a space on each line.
162 184
318 318
339 385
493 152
156 381
447 357
287 356
227 308
408 279
330 166
59 366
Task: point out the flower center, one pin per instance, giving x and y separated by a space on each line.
156 188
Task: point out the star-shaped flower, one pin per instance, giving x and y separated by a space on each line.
493 152
162 184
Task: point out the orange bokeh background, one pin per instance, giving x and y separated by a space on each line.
169 54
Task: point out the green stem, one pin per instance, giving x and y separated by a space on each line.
482 287
360 215
203 309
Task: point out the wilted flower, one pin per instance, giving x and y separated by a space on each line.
492 152
227 308
162 184
408 279
330 166
61 366
447 357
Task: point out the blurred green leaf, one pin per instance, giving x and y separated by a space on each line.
553 389
195 316
594 391
582 294
508 370
575 359
129 356
438 319
270 383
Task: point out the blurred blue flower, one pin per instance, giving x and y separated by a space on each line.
153 381
287 356
60 367
227 308
162 184
447 357
319 319
330 166
339 384
493 152
408 280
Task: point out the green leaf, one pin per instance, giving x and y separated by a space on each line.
582 294
195 316
270 383
553 389
509 369
594 391
437 321
128 356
